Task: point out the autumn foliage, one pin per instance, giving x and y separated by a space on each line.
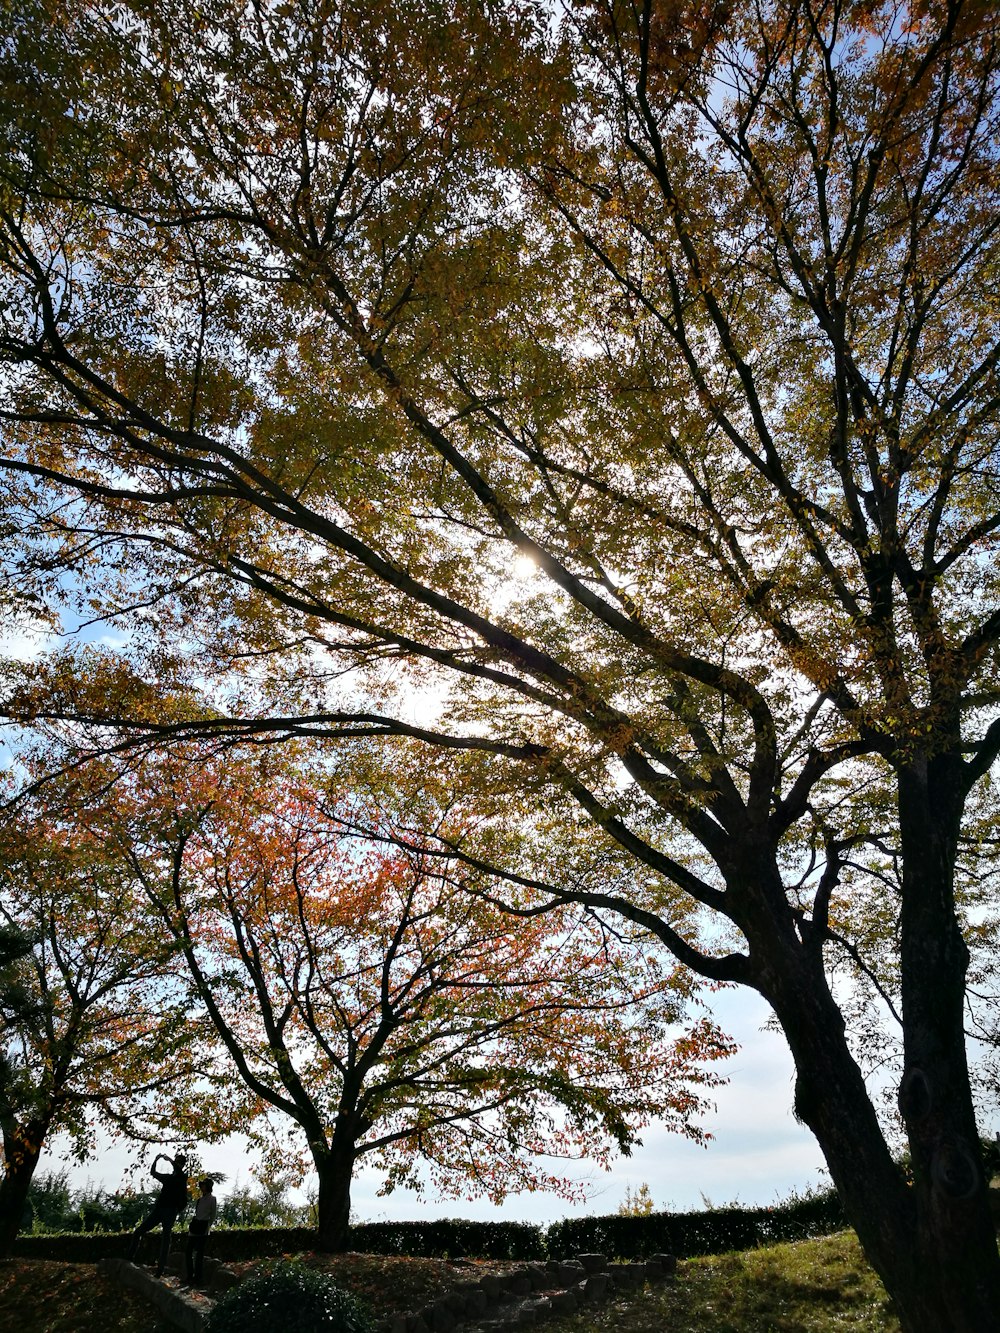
600 397
381 1001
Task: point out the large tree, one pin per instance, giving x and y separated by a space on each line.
391 1014
94 1028
626 378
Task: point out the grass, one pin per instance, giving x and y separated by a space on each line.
814 1286
809 1286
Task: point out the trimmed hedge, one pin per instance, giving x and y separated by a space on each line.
224 1243
683 1234
451 1237
74 1247
686 1234
454 1238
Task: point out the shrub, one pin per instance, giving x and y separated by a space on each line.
73 1247
50 1202
443 1238
713 1231
55 1208
265 1206
226 1244
292 1298
637 1202
452 1237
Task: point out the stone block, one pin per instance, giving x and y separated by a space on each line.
570 1273
222 1279
628 1277
184 1315
564 1302
456 1299
490 1283
476 1302
440 1316
593 1263
517 1283
542 1307
668 1262
596 1287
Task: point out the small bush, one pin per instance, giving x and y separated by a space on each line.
292 1298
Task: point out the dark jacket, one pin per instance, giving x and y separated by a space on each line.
173 1190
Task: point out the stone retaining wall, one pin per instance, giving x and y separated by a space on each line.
530 1295
496 1303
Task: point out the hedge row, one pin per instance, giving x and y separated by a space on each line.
683 1234
457 1239
227 1243
453 1237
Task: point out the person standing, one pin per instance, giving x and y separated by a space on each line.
170 1203
204 1215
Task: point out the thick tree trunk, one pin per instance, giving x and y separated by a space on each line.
933 1243
22 1149
956 1235
334 1170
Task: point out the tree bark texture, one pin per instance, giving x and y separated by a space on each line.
334 1170
21 1159
932 1241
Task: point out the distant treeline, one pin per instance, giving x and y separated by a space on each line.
55 1207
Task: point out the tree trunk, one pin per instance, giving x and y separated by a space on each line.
22 1148
334 1170
956 1237
933 1246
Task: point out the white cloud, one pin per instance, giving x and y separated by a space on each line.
25 640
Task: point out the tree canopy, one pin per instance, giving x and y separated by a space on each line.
95 1024
376 1000
605 396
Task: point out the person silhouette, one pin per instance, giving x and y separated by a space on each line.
205 1209
170 1203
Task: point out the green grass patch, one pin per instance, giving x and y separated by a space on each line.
808 1286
